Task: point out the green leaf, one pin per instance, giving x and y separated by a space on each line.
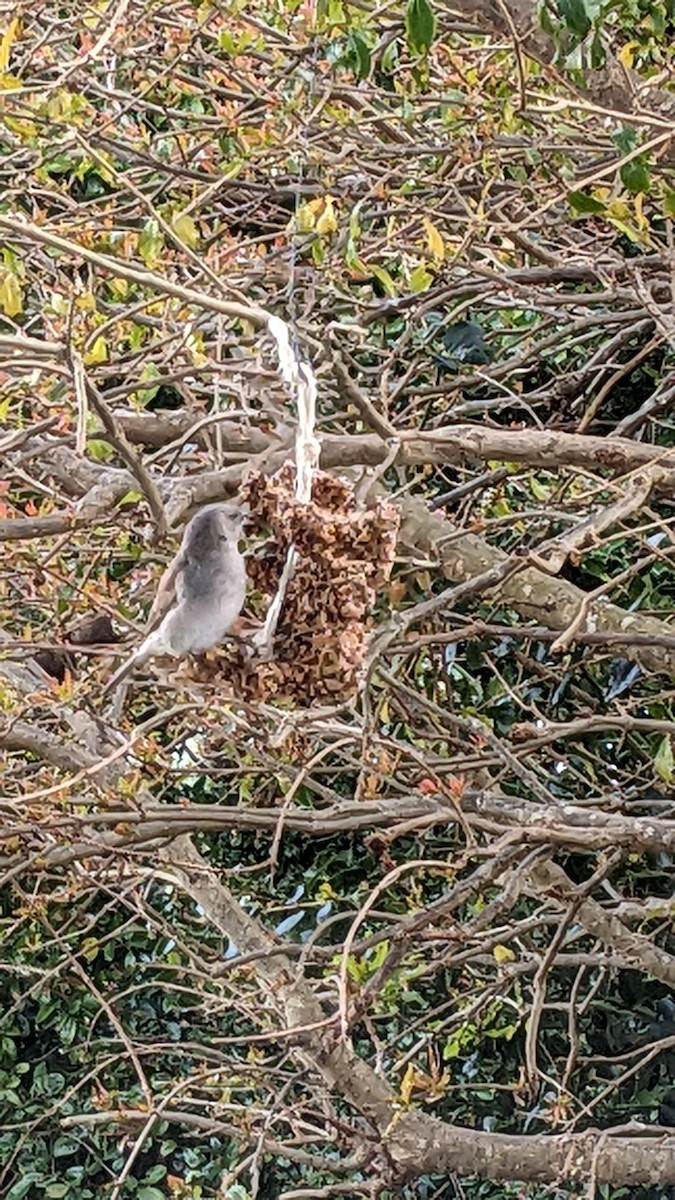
317 252
669 203
59 164
7 1050
384 278
539 491
354 223
420 25
155 1173
143 395
573 13
635 176
598 54
22 1187
664 761
352 259
99 449
625 139
545 20
56 1190
149 1193
506 1031
583 203
65 1146
361 54
150 243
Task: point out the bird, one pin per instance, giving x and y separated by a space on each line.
201 593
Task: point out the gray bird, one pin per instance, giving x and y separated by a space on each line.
201 593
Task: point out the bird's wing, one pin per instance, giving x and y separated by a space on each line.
165 596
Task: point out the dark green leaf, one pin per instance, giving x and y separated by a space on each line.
625 140
420 25
361 54
583 203
65 1145
573 13
22 1187
635 176
545 21
598 55
464 343
155 1173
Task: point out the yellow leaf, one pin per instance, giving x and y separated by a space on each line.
664 760
24 129
89 947
325 891
6 43
11 299
305 218
118 287
59 304
502 954
327 222
642 218
86 302
408 1083
194 343
97 353
618 209
626 55
420 279
65 106
185 229
540 491
434 239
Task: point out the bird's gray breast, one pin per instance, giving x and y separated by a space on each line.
211 595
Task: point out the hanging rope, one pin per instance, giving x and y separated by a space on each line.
301 380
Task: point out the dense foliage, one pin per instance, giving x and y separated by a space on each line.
417 939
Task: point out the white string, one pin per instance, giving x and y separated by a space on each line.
300 378
302 382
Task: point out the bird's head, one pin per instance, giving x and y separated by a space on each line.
231 518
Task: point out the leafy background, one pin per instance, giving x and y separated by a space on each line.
467 217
